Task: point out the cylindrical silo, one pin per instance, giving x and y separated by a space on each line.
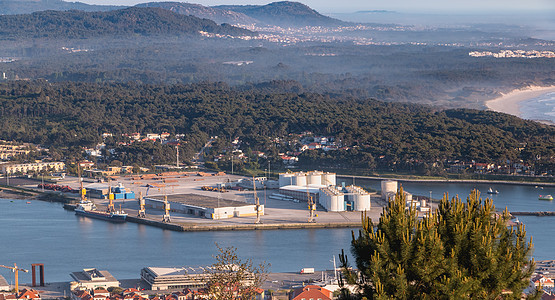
388 187
408 196
300 179
315 178
286 179
328 179
362 202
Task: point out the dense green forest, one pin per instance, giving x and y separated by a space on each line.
123 22
379 135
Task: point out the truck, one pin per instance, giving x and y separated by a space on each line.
307 271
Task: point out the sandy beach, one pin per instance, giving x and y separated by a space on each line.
510 103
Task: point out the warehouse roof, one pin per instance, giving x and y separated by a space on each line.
200 201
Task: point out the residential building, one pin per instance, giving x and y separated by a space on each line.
311 292
32 167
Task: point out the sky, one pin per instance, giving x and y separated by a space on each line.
408 6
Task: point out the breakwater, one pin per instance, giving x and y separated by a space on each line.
534 213
463 181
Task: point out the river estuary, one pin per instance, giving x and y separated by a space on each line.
42 232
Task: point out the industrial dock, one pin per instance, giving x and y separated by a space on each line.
193 207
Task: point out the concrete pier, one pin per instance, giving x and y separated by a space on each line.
184 226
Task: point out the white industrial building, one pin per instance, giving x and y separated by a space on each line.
90 279
203 206
170 278
321 187
174 278
389 189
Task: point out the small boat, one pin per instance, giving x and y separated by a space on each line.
492 192
28 202
545 197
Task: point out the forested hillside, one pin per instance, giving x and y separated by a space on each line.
378 134
124 22
284 13
12 7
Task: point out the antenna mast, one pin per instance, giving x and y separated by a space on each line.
177 150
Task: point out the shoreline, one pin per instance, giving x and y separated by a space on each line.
510 102
529 183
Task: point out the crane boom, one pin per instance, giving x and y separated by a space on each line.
16 270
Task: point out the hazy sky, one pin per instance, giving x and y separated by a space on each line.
332 6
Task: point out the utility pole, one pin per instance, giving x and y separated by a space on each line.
177 154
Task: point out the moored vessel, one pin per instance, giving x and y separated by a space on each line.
87 208
492 192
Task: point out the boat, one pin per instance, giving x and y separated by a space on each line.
116 216
545 197
87 208
492 192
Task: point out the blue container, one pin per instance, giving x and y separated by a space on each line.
130 195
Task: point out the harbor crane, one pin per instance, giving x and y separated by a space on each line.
166 217
141 213
16 270
256 203
311 204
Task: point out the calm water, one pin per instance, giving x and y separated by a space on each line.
42 232
540 108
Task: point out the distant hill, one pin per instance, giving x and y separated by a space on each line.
13 7
284 13
215 14
123 22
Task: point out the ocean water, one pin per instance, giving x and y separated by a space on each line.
541 108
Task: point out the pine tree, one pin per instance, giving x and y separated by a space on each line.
464 250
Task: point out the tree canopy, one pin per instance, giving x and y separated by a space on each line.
463 250
378 135
232 278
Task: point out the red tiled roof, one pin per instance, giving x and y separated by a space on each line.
312 291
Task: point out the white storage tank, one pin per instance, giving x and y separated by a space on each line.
388 187
328 179
337 202
301 179
315 178
408 196
362 202
286 179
